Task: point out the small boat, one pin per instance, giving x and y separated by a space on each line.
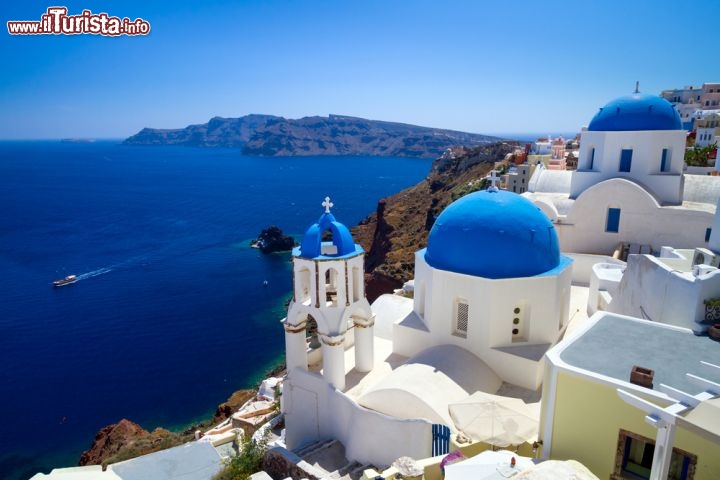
65 281
265 283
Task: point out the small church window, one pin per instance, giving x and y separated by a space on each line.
591 159
613 220
665 160
519 327
461 319
625 159
708 232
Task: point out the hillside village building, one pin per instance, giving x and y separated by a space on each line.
693 102
707 131
517 178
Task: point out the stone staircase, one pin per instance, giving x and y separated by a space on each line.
327 459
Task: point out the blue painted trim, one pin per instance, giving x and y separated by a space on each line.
358 250
563 263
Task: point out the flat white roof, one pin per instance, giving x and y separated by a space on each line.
612 344
191 461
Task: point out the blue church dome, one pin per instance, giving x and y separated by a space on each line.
493 234
342 241
636 112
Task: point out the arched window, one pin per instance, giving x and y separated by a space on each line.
334 290
311 333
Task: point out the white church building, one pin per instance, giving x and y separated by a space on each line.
493 282
629 190
492 295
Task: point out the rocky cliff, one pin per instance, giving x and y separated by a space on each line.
124 440
218 132
342 135
333 135
400 225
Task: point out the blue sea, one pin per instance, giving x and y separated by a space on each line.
170 314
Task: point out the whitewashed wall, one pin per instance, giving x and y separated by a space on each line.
315 411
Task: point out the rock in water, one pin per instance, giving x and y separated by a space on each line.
272 239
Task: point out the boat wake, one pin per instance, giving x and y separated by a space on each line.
143 259
94 273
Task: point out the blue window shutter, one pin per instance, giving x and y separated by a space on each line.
613 220
626 159
440 439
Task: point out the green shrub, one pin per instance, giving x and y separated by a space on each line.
247 462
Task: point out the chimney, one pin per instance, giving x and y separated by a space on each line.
642 376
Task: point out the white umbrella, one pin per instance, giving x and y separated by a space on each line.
499 421
488 465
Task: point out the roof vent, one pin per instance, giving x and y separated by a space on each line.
642 376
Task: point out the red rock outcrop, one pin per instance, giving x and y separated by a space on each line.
110 440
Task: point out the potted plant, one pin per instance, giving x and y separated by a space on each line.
714 331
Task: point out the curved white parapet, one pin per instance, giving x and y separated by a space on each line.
604 282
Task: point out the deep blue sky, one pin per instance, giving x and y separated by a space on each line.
486 67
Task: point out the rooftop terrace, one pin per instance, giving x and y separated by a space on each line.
615 343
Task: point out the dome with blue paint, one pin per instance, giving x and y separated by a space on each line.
493 234
636 112
341 244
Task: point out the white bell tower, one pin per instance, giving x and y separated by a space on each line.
329 310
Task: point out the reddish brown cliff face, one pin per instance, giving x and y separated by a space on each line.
111 439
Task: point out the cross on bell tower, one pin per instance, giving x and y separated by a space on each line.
493 181
327 204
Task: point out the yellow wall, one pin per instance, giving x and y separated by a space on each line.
588 418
